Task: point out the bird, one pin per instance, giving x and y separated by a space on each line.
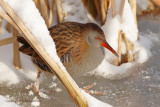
80 47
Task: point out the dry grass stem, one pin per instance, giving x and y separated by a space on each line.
51 13
8 19
44 11
121 10
59 11
113 8
16 53
103 19
6 41
8 27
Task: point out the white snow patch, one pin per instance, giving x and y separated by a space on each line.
142 53
7 69
93 102
43 95
53 85
4 102
31 93
54 78
113 26
35 102
58 89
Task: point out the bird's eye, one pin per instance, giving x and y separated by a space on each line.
97 38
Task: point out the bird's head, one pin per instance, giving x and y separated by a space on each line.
95 38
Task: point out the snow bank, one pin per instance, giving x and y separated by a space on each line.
142 53
93 102
111 29
113 26
29 14
4 102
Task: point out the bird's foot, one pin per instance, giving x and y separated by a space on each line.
89 86
35 87
92 92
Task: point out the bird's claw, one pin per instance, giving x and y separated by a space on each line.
86 89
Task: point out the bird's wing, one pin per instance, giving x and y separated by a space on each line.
68 39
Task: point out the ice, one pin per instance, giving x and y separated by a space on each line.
4 102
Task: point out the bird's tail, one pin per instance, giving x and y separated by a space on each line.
25 48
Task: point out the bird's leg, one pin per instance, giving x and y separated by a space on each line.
86 89
36 84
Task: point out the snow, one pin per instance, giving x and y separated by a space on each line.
93 102
4 102
35 102
142 53
128 25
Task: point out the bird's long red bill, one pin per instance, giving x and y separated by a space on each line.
106 45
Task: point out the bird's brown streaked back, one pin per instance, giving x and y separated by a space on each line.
68 38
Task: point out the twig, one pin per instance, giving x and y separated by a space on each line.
121 10
51 13
59 11
113 8
1 22
103 11
6 41
16 53
98 8
6 17
44 11
8 27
